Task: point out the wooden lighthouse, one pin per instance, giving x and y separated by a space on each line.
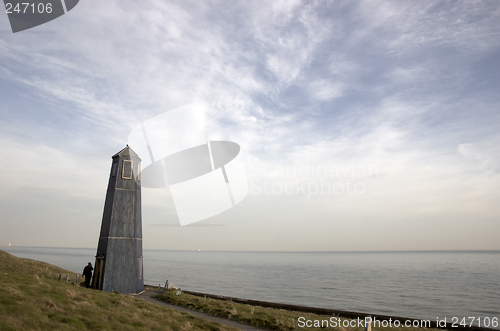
118 265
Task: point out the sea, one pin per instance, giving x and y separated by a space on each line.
417 284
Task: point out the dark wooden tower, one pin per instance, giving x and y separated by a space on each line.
118 265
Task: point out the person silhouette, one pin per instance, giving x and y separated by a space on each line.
87 272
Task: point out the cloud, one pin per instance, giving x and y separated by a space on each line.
409 87
482 159
324 90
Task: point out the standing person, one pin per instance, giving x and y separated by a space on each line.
87 272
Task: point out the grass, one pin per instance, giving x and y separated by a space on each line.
31 298
269 318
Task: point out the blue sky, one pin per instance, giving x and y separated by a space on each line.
407 89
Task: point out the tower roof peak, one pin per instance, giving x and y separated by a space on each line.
127 151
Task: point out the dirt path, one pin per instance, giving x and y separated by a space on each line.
148 296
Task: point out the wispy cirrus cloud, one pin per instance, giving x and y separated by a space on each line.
409 87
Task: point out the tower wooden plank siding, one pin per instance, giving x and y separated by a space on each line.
118 265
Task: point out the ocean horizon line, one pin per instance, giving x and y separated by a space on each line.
255 251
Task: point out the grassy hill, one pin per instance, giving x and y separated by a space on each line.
31 298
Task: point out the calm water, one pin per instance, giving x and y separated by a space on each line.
411 284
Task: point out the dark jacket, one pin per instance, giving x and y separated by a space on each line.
87 271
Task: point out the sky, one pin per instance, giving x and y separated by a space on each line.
364 125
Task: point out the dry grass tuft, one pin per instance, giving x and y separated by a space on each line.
15 292
186 326
51 304
152 324
83 304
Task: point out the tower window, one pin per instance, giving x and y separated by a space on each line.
113 171
127 169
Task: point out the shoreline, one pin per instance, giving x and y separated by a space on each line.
337 313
